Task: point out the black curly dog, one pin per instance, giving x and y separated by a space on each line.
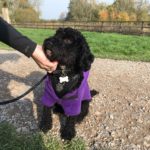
70 49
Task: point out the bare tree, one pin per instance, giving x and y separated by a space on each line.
142 10
138 8
36 4
82 10
124 5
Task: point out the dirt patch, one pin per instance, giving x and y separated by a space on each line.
119 116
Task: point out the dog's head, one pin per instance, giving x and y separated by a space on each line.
69 47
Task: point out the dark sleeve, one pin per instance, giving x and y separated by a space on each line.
15 39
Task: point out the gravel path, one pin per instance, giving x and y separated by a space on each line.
119 116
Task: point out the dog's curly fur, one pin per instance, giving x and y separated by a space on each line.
69 47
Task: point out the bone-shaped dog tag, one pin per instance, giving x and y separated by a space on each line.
63 79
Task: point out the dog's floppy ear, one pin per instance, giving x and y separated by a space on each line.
47 44
86 57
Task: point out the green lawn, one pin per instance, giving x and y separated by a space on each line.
103 45
11 140
117 46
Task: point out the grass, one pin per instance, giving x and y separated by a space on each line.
12 140
103 45
117 46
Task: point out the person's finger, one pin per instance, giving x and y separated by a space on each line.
49 71
47 67
52 66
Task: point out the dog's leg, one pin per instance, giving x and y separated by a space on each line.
58 109
46 120
67 131
84 111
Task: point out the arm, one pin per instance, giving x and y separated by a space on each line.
15 39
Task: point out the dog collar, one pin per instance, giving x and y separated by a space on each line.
62 71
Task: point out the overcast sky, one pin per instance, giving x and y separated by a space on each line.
51 9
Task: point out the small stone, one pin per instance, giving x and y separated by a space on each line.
97 113
111 116
140 120
147 141
24 129
18 129
114 134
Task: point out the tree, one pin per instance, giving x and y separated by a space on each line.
124 6
36 4
11 4
136 9
142 10
26 12
82 10
123 16
104 15
23 10
26 15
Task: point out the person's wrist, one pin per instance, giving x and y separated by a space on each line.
36 51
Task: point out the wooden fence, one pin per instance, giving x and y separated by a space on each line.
129 27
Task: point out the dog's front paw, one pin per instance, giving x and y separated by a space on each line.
45 126
67 131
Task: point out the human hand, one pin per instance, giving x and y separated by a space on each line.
39 57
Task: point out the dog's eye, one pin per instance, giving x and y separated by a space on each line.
67 41
48 52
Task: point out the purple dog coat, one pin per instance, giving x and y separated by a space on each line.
70 102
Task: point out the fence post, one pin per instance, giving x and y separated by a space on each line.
142 27
102 26
120 27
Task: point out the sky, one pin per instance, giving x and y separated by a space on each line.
51 9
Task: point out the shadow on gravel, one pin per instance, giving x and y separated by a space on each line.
30 80
9 57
